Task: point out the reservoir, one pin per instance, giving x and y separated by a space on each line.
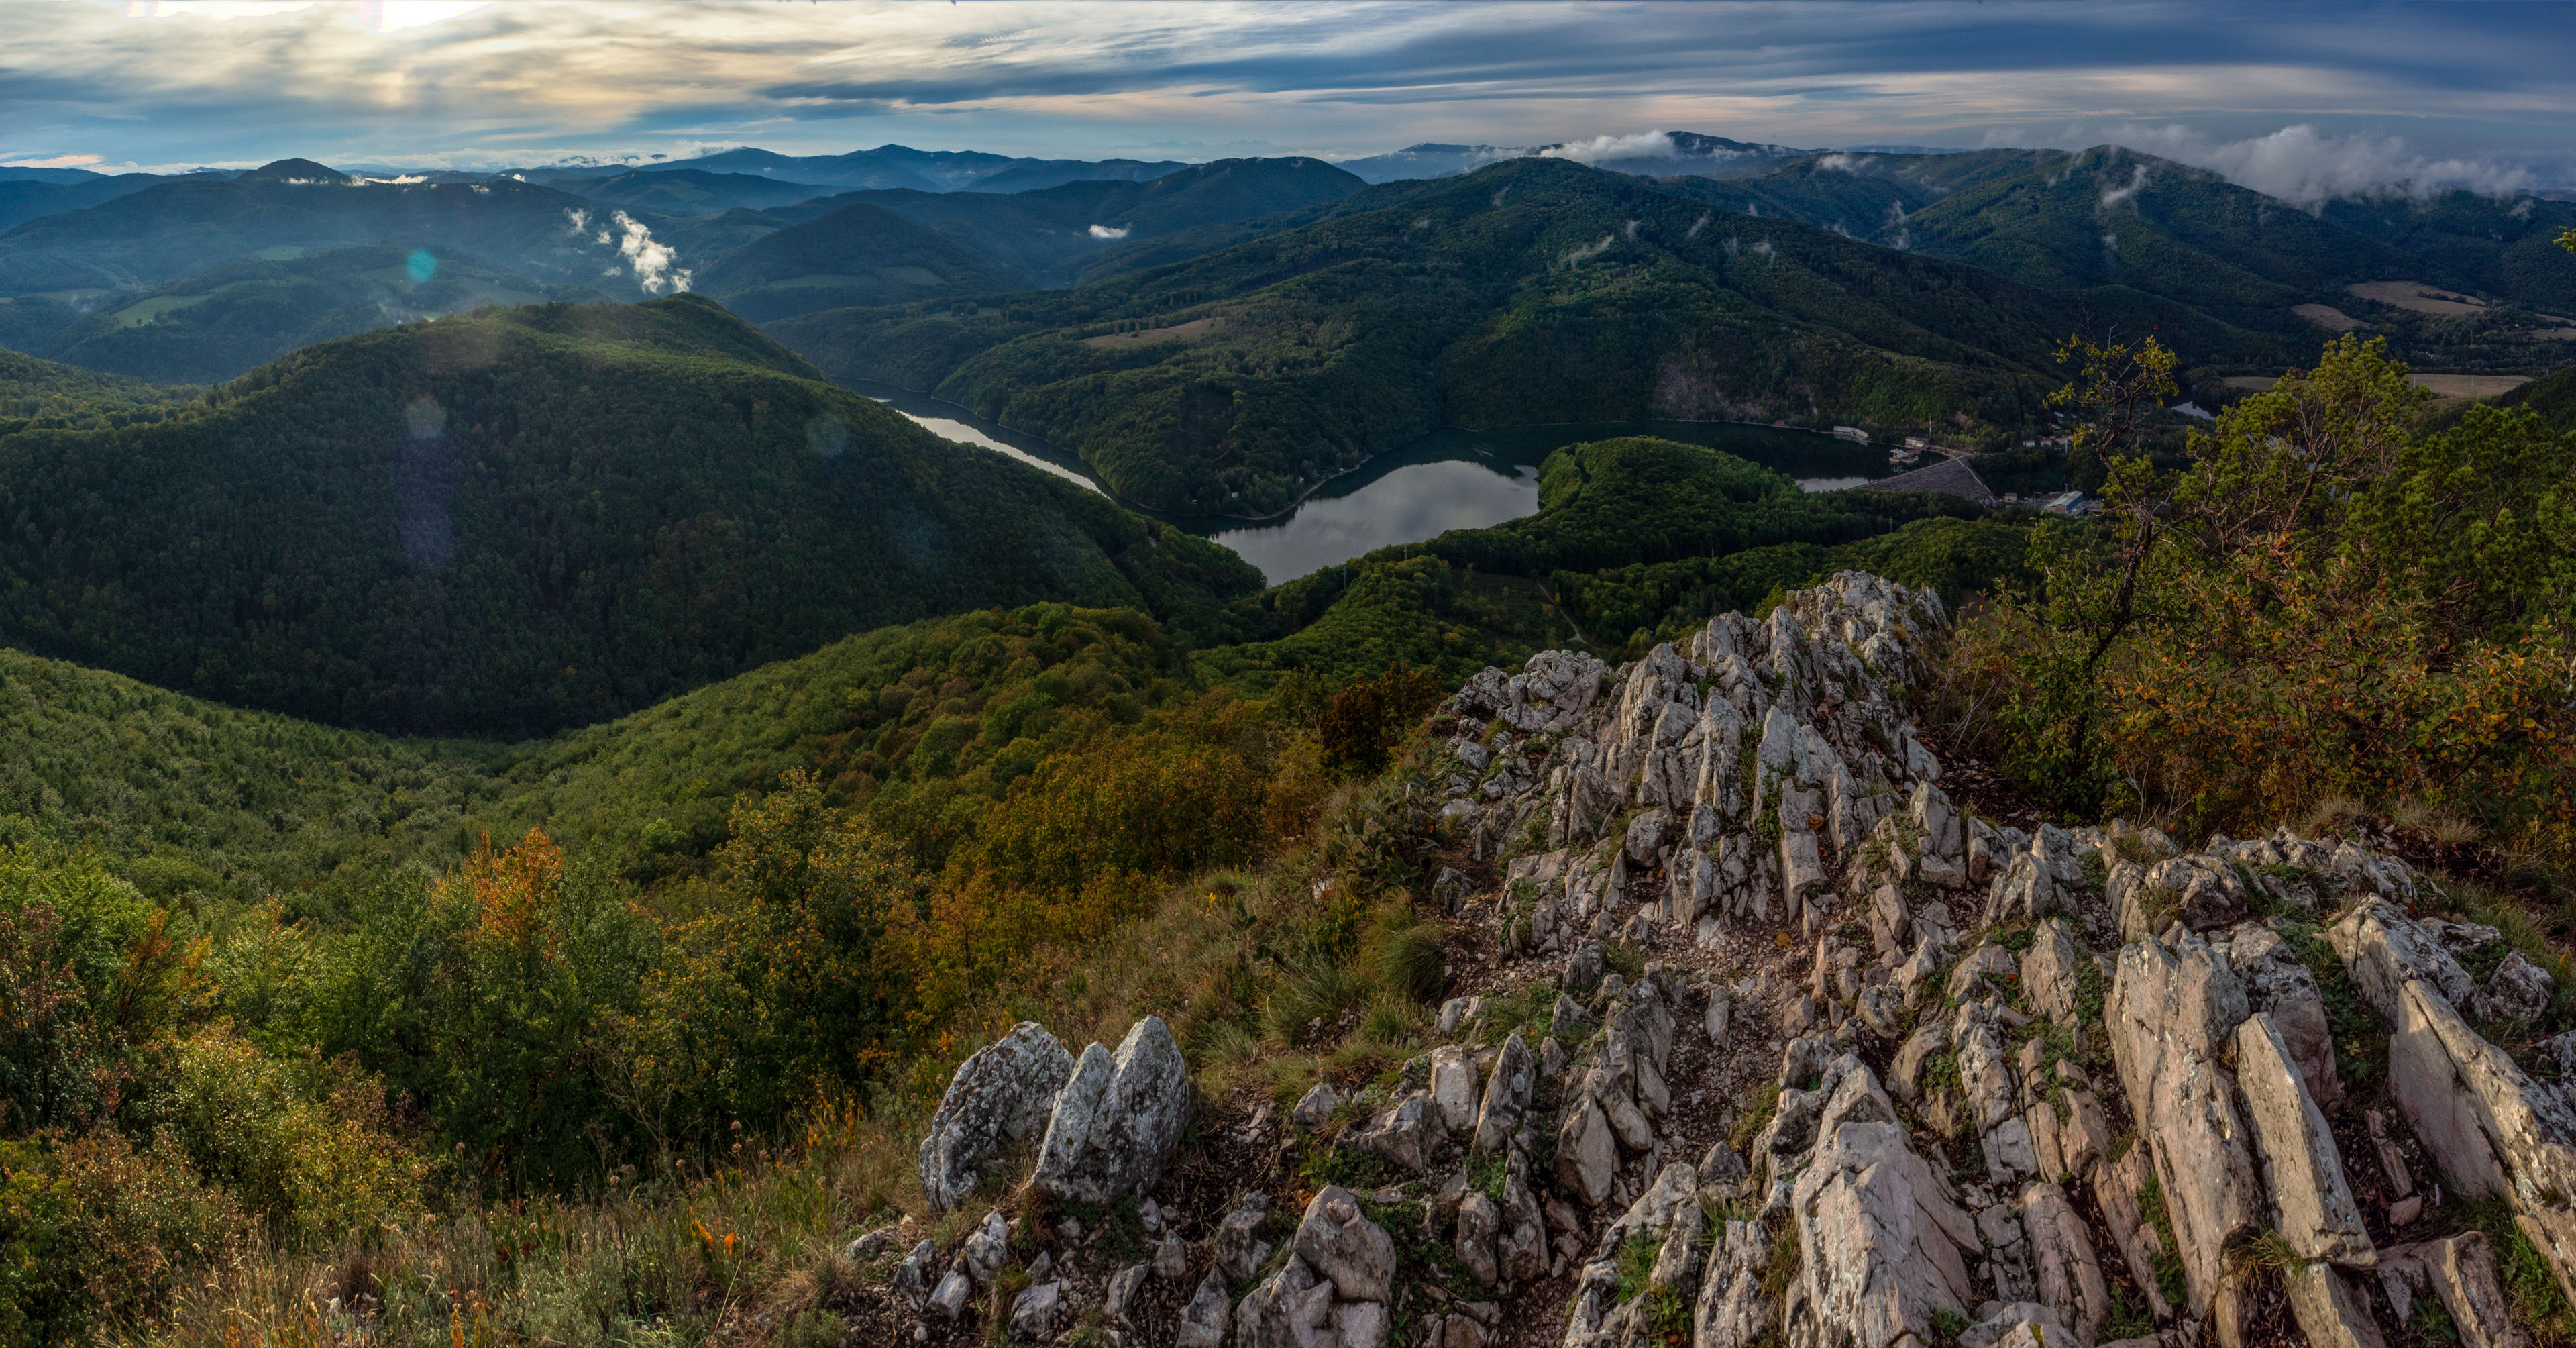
1449 479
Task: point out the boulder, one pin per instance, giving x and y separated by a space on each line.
2278 984
2314 1205
1117 1119
1403 1133
2383 950
1732 1311
1943 859
912 1277
1342 1245
1480 1221
1237 1248
1584 969
1986 965
1036 1312
1587 1155
986 1249
1931 1038
1507 1097
2170 1012
1522 1246
2517 990
1883 1245
1001 1094
1315 1108
2048 972
2461 1272
2020 1324
953 1292
1205 1319
2494 1131
2065 1275
2330 1311
1453 1087
1122 1289
1293 1308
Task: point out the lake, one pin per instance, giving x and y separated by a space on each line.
1450 479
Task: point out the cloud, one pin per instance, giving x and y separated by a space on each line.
1843 163
58 161
1599 149
653 262
1105 232
2113 196
2300 164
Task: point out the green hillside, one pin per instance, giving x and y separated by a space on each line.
858 254
181 226
2553 398
217 323
672 191
2503 247
1050 234
1533 291
538 517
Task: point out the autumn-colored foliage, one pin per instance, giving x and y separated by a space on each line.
2324 604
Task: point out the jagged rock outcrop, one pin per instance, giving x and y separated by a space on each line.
1002 1093
1117 1118
2170 1013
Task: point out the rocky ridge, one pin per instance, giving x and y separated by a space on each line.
1760 1040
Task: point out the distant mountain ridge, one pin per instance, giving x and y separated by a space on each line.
1680 152
891 166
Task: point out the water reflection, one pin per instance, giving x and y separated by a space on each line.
1450 479
1412 503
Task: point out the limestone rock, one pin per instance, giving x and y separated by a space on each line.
1732 1312
2382 949
1931 1038
2330 1312
1205 1319
1171 1258
1522 1246
1117 1119
2278 984
1883 1244
1507 1096
950 1299
1291 1309
986 1249
2493 1130
2065 1274
2461 1272
2317 1215
1122 1289
1035 1312
2168 1016
1987 963
1480 1221
1403 1133
1315 1108
912 1277
1237 1248
2517 990
1453 1087
1002 1093
1344 1246
1587 1157
2048 972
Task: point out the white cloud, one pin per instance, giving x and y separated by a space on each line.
653 262
58 161
1843 163
2303 165
1642 145
1105 232
2113 196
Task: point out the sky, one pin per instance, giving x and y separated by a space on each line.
2289 96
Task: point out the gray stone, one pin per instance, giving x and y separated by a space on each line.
1342 1245
1480 1221
1453 1087
1720 1168
2461 1272
1001 1094
1315 1108
1931 1038
1122 1290
912 1280
1507 1096
2066 1276
2169 1014
2278 984
2048 972
1587 1157
2329 1311
2304 1172
1237 1247
2019 1324
1570 1021
1360 1324
1523 1244
1732 1312
1034 1312
1171 1258
1292 1309
1403 1133
1204 1320
950 1299
1117 1120
987 1248
1584 968
1987 964
1883 1245
2383 949
2517 990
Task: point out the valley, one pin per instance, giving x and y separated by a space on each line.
938 747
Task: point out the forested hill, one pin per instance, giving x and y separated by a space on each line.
1533 291
539 517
